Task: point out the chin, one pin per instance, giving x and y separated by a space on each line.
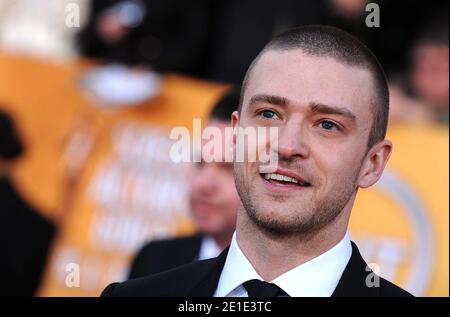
207 229
276 227
282 221
281 211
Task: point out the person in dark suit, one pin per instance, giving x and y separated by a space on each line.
214 203
326 96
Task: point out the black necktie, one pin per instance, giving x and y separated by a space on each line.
257 288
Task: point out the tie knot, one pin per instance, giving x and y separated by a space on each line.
257 288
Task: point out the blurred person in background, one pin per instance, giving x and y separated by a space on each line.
214 203
404 108
217 40
420 92
25 235
233 28
166 35
46 29
429 74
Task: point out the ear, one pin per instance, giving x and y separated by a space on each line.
234 124
374 163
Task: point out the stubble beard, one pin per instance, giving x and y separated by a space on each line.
308 218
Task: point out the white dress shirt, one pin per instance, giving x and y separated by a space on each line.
316 278
208 249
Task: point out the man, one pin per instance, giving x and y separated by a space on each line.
25 236
429 69
214 203
327 95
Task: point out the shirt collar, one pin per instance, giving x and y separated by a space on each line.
317 277
208 249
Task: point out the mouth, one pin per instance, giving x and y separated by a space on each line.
204 204
284 180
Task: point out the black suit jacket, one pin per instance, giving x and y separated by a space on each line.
25 239
200 279
163 255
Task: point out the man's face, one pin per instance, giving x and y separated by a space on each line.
322 109
429 74
214 200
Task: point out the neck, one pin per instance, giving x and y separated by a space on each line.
223 239
271 254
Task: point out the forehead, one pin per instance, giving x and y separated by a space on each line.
303 79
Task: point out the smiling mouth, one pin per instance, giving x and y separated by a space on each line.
283 180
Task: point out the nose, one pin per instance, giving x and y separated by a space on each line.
293 141
202 181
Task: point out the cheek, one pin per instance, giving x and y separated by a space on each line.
233 200
196 178
194 188
192 183
337 165
228 193
242 171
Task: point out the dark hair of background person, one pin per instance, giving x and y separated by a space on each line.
435 30
226 105
10 145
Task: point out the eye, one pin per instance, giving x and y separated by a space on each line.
199 165
328 125
268 114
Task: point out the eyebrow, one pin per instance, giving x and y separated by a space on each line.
322 108
270 99
315 107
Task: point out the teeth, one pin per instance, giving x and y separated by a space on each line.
280 177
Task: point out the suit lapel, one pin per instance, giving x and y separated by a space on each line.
353 280
196 245
206 286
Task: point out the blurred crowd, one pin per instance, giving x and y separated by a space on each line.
212 41
217 40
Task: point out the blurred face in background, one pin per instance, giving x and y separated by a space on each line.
214 200
429 75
